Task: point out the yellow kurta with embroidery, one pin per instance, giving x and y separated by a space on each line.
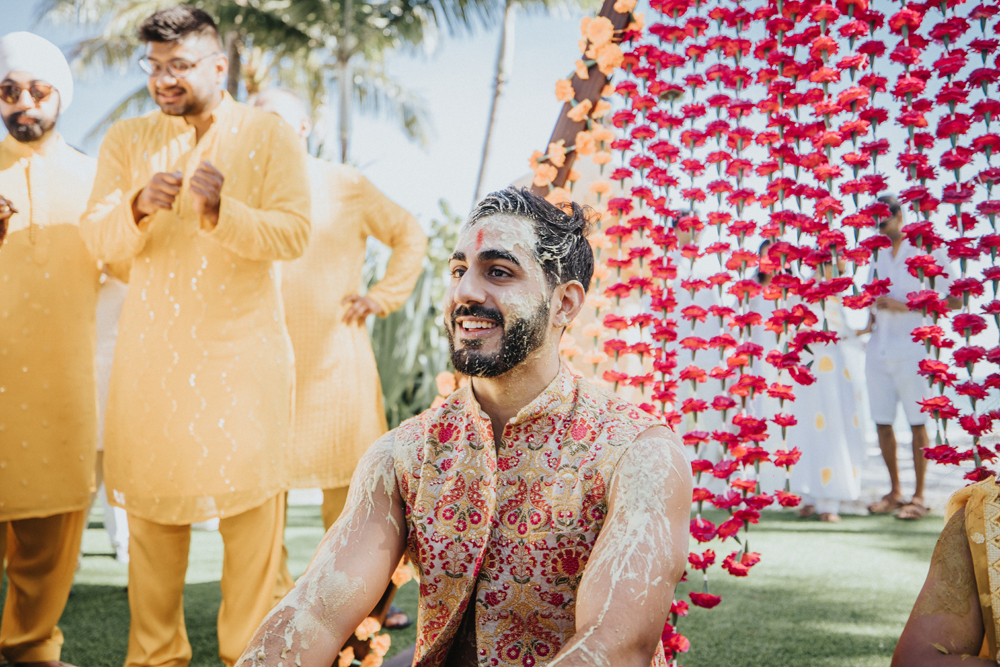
48 296
199 406
338 399
982 526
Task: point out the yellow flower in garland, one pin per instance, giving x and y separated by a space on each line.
603 134
346 657
544 174
557 153
533 160
637 24
600 109
600 187
598 30
367 629
585 143
581 70
558 196
380 645
624 6
609 57
601 157
564 90
573 175
579 112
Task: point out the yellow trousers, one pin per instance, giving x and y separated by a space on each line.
41 559
334 501
158 560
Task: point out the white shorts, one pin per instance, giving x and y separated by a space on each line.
891 382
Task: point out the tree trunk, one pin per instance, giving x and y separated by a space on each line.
345 78
233 44
505 65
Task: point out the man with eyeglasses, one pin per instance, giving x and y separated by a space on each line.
202 196
48 295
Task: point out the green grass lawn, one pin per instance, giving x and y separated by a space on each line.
824 594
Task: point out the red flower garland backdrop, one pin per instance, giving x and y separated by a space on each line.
783 121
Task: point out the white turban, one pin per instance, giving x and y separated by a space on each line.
27 52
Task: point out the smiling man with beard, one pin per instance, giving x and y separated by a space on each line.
547 518
48 295
202 196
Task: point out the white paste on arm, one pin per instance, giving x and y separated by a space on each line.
628 586
346 577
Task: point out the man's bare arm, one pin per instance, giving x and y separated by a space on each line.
946 624
346 577
628 586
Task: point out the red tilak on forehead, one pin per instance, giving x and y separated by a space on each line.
479 239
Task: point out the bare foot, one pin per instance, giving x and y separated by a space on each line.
807 511
829 517
889 504
915 509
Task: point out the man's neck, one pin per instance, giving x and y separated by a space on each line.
43 145
504 396
896 243
203 120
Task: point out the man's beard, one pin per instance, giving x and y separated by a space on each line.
188 106
28 132
524 336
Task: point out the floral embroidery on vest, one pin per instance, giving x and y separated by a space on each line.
514 527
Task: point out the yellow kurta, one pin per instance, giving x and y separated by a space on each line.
199 406
338 400
48 296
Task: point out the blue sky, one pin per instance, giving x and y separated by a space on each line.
455 81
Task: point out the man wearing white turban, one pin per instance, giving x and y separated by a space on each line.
48 294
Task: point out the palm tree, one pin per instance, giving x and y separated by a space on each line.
303 45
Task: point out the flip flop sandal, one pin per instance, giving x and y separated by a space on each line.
887 505
912 512
396 611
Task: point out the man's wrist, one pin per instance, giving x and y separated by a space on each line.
137 214
211 217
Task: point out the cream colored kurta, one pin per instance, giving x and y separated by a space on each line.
338 399
199 407
48 294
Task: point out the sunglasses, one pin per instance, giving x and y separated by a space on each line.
11 92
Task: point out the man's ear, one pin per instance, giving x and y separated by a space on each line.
221 67
567 301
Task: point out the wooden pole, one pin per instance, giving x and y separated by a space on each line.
586 89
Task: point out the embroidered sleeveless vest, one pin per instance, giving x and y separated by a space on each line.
982 527
512 527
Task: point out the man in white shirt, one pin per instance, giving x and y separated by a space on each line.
893 357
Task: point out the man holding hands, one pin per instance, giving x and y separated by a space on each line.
202 196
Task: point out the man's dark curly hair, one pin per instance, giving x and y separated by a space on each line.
175 23
562 248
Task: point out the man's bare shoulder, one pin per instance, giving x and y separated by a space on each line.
659 448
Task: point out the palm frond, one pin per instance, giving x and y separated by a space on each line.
379 94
